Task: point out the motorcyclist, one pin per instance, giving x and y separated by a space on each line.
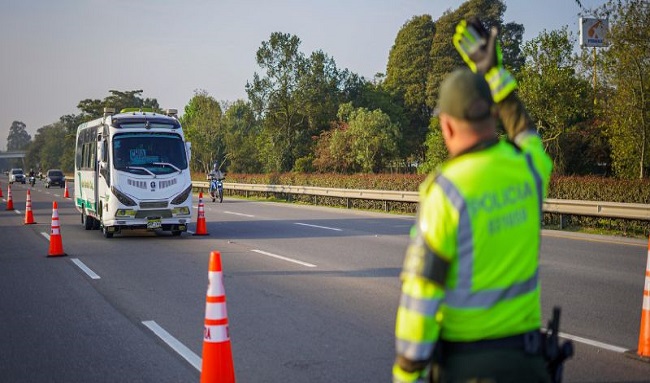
32 177
215 177
216 173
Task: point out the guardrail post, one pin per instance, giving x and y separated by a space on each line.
386 206
347 203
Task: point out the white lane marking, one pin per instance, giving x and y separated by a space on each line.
593 343
47 236
85 268
239 214
319 227
17 211
283 258
177 346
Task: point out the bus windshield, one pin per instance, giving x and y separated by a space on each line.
149 153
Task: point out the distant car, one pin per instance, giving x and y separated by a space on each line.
54 177
16 175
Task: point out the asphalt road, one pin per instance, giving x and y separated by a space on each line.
311 296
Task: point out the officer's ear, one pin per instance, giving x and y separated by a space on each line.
446 125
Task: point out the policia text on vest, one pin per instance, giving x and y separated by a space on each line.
503 206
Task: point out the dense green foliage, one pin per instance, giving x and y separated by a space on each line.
18 138
202 127
625 103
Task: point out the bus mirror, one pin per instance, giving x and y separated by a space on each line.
101 152
102 165
188 150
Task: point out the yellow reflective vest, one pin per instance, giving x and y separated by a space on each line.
471 269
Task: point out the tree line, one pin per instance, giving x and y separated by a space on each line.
305 114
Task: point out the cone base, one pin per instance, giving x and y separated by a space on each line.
200 234
57 255
29 223
633 354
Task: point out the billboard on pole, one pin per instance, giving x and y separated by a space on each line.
593 32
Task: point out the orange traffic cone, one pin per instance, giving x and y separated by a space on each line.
217 365
66 194
1 191
200 219
56 246
10 202
644 334
29 217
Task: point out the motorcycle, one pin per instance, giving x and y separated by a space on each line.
32 180
216 189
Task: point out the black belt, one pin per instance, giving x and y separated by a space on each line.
530 343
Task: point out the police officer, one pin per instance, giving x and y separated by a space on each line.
470 304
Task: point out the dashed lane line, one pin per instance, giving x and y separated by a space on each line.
175 344
594 343
283 258
239 214
85 268
318 227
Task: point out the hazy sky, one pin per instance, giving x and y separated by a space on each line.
55 53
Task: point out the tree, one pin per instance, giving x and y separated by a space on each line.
318 91
436 150
445 58
202 126
557 98
273 98
18 138
118 100
409 62
443 54
48 147
70 122
241 130
374 139
627 73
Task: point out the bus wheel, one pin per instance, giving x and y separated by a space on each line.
106 233
86 221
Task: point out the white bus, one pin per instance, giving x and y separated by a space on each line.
132 172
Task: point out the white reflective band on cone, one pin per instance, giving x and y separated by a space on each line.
215 288
55 231
215 334
215 311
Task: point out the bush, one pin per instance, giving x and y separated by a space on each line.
561 187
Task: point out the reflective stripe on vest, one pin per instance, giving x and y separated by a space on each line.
538 181
462 296
413 350
422 306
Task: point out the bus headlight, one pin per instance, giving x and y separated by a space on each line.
125 213
123 198
179 199
183 210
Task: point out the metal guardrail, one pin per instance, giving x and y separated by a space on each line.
558 206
